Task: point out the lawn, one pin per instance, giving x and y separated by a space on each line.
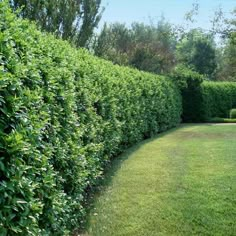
182 182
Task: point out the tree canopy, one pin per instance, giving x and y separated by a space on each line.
197 50
73 20
145 47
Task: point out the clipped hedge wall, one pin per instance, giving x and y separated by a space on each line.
63 114
189 82
206 101
232 114
217 99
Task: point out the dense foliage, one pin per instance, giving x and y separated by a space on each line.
72 20
203 100
218 98
227 54
145 47
197 50
208 101
189 83
63 114
232 114
159 46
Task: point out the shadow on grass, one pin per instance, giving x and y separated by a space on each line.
110 171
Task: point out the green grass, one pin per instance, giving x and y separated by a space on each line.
182 182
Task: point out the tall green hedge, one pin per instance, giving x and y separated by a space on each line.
208 100
218 98
63 115
189 83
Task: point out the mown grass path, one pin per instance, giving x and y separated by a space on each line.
182 182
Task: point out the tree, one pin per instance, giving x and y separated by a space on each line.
73 20
88 19
197 50
230 50
145 47
155 46
114 43
226 28
227 62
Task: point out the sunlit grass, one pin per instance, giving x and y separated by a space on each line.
182 182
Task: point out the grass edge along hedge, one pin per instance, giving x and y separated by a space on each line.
63 114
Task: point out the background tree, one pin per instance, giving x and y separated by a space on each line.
73 20
227 62
154 47
145 47
114 43
87 20
227 56
197 50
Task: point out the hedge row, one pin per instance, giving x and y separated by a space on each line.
204 100
217 99
209 100
63 115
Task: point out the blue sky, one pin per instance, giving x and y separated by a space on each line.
128 11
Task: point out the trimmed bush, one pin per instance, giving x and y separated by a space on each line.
189 83
63 115
218 98
207 100
232 114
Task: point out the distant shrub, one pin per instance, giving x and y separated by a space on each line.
232 114
63 115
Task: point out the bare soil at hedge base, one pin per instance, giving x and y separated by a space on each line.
182 182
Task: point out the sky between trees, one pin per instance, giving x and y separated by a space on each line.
128 11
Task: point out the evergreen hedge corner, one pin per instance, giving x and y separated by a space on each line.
203 100
232 114
189 82
208 100
217 99
63 115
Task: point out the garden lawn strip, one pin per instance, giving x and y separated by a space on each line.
179 183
